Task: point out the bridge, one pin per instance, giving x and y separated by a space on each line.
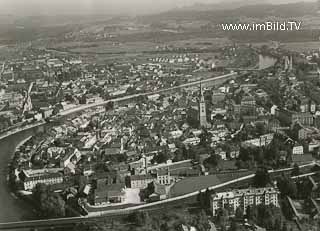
206 83
111 214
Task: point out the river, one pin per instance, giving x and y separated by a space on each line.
12 208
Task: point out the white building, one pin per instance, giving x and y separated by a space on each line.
176 134
261 141
164 177
297 150
192 141
141 181
49 179
244 198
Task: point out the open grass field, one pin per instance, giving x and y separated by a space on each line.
194 184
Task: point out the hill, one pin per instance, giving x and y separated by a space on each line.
212 14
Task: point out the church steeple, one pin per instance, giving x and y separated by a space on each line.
202 109
201 94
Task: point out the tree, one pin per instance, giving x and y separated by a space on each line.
296 170
236 227
162 157
139 218
51 204
261 129
212 162
266 216
287 187
222 218
83 99
204 138
200 199
261 178
284 227
251 213
286 209
202 223
239 213
204 199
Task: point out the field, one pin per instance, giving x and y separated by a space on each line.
302 46
194 184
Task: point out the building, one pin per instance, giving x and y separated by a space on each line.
290 117
248 101
218 96
297 150
72 155
157 192
304 105
141 181
263 140
313 107
303 118
49 179
191 141
244 198
114 193
288 64
164 177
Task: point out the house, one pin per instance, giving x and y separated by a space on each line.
105 193
70 169
221 153
273 109
164 177
297 150
273 124
290 117
29 182
302 159
46 112
248 100
157 192
304 105
304 133
244 198
304 118
313 146
217 97
263 140
71 155
141 181
313 106
186 228
176 134
234 152
192 141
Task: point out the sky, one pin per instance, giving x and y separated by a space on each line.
55 7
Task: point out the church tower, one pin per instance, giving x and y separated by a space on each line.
202 110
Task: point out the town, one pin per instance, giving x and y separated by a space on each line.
175 138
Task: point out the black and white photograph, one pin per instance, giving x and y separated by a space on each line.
160 115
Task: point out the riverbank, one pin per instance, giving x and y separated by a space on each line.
15 209
23 142
21 129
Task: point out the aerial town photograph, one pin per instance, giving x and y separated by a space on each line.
160 115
